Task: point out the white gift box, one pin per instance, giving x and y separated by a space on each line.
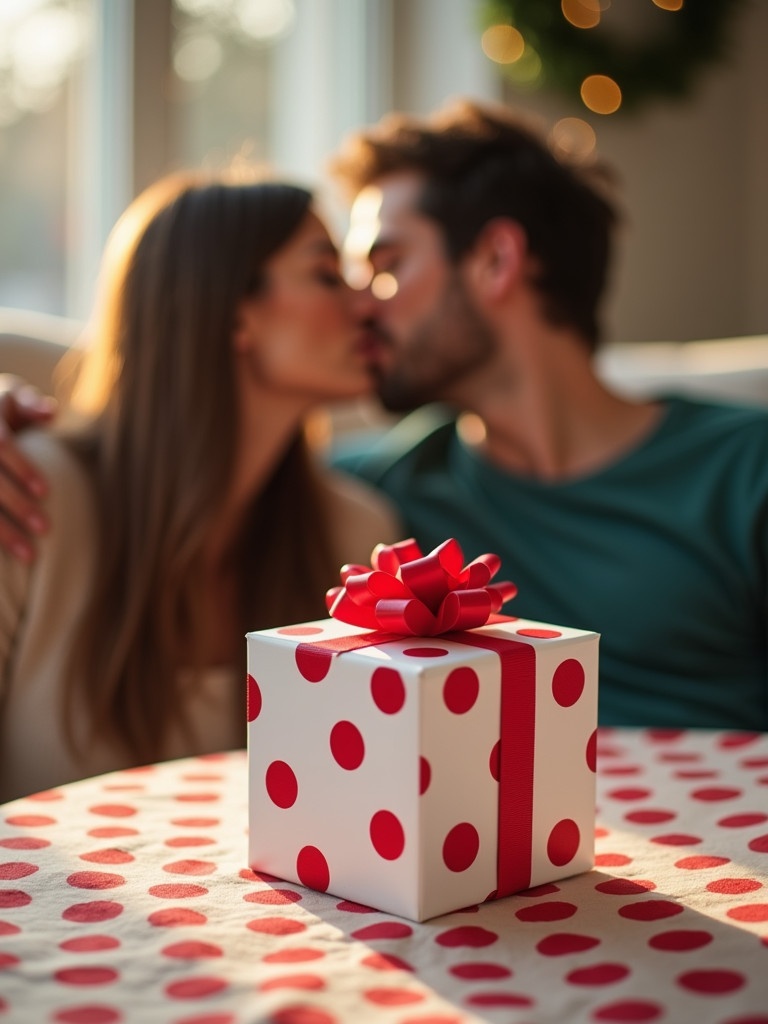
421 775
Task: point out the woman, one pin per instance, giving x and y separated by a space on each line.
184 503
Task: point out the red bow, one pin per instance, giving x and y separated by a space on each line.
421 595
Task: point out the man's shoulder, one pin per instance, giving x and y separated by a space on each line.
418 440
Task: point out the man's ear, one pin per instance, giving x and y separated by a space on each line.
497 259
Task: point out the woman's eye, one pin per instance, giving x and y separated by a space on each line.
332 278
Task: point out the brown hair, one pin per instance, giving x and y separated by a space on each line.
159 386
480 162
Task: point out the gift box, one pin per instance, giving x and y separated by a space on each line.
421 773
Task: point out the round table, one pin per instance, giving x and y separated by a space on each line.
128 897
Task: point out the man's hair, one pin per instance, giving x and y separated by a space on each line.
481 162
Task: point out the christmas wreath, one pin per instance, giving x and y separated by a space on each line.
662 60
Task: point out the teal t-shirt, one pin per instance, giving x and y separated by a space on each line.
664 552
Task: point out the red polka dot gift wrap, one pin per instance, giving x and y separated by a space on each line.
421 775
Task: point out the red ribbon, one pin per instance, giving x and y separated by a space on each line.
516 748
412 594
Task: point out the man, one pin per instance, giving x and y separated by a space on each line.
645 521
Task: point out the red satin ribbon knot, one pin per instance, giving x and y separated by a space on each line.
409 593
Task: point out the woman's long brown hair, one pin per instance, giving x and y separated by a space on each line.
159 384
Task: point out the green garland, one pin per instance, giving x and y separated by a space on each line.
662 65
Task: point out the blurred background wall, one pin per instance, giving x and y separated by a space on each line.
98 97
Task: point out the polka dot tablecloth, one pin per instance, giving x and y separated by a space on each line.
127 898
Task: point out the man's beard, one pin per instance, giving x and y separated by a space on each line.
454 342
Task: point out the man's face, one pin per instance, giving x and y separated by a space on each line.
425 334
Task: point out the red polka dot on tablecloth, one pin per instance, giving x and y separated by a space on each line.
253 699
87 1015
477 970
296 955
711 981
313 663
622 769
681 940
310 982
461 846
677 839
734 886
737 739
176 917
197 798
383 930
273 897
591 752
678 756
6 928
281 784
193 949
113 810
207 1018
179 842
598 974
460 690
564 943
190 867
30 820
754 913
24 843
694 773
177 891
17 869
350 907
625 887
555 910
650 910
664 734
312 868
386 962
425 775
347 745
95 880
86 975
754 762
650 817
568 682
392 996
195 988
8 960
629 793
302 1015
469 935
276 926
108 856
759 844
701 863
195 822
612 860
112 832
249 875
715 793
387 835
491 999
14 898
563 842
628 1011
90 913
387 690
89 943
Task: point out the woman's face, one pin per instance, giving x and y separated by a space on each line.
303 336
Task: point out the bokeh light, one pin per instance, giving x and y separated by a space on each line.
384 286
573 137
581 13
669 5
600 94
502 44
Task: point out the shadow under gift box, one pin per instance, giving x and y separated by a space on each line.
421 775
